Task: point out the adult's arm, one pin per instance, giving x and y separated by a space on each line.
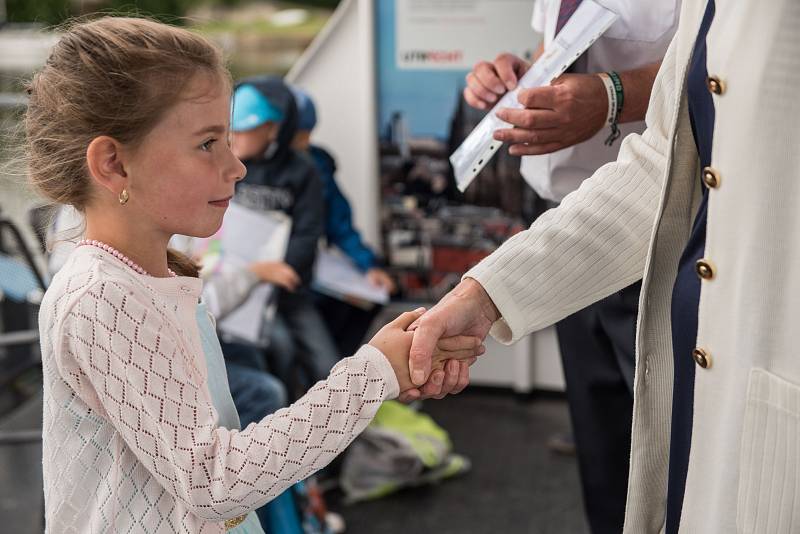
593 244
571 110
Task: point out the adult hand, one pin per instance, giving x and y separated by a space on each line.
487 82
380 278
394 341
450 380
466 311
278 273
570 110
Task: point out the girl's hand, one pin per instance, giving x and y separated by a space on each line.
277 273
395 342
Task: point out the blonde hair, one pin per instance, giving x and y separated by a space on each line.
114 76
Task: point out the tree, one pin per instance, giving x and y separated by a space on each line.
166 10
44 11
53 12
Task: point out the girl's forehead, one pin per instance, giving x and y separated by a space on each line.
206 86
200 105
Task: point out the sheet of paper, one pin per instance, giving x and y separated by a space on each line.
249 235
246 236
245 323
336 275
585 26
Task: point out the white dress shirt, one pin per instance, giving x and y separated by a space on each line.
639 37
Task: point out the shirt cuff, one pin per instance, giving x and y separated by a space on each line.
383 368
511 325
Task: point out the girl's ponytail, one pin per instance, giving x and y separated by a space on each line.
181 264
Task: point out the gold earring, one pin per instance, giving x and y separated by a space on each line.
123 197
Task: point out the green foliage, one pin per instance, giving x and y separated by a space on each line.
56 11
44 11
330 4
53 12
166 10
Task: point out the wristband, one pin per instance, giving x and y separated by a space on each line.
612 97
616 98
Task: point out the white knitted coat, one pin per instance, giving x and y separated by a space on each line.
131 442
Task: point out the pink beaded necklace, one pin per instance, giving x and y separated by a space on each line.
119 255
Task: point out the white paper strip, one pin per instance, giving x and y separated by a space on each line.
585 26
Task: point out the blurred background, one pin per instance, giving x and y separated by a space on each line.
403 120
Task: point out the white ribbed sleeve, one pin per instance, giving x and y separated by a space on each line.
594 243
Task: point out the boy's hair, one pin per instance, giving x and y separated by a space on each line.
113 76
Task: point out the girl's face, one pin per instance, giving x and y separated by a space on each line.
182 175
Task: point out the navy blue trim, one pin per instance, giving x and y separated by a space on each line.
686 292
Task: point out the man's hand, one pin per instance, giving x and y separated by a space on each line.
466 311
489 81
394 341
451 380
569 111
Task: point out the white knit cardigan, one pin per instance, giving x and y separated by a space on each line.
131 442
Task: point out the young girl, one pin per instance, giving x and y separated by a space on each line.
128 122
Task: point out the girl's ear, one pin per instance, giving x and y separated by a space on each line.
104 161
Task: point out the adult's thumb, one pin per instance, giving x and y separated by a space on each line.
426 337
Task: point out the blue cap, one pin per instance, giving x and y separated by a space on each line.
306 111
251 109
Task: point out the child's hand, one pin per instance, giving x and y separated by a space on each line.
395 342
380 278
277 273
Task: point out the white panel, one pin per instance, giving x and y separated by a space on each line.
532 363
338 72
456 34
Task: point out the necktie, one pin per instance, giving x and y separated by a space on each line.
566 10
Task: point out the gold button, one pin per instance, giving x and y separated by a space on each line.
705 269
701 358
711 177
715 85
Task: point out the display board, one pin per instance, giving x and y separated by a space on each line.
431 232
456 34
353 74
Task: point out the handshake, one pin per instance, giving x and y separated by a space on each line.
431 350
